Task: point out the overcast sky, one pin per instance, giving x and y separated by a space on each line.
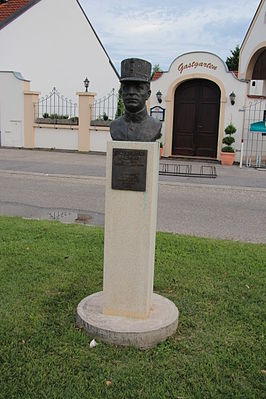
161 30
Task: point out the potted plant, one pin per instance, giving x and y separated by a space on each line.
228 152
161 149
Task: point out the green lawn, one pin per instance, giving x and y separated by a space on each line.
46 268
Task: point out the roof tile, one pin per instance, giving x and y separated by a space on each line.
157 75
10 7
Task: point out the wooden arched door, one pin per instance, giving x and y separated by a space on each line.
196 118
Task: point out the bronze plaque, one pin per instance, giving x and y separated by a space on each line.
129 169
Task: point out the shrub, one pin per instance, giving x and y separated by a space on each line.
228 140
228 149
75 119
55 116
230 129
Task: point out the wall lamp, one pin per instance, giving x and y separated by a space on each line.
232 97
86 84
159 96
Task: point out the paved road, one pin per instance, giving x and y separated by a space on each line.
69 186
66 163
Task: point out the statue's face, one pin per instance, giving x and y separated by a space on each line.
135 94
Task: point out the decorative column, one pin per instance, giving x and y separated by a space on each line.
86 102
169 112
30 98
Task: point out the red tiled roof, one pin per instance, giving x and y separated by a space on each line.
157 75
10 7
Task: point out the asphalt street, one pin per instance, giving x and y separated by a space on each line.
70 187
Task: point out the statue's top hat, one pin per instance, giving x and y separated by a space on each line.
135 69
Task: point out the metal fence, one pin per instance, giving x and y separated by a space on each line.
106 109
254 142
54 108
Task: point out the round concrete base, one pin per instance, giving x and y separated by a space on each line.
161 323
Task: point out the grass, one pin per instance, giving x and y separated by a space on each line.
46 268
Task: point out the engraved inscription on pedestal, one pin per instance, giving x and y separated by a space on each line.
129 169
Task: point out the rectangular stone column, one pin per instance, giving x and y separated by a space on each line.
130 229
31 99
86 102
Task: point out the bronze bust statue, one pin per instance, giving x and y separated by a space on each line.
135 124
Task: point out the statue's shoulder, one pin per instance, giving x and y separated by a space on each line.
117 128
156 126
155 122
117 122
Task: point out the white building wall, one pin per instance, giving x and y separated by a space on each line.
11 109
255 39
60 139
67 139
99 139
257 88
52 44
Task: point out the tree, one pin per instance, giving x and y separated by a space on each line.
155 68
233 60
120 104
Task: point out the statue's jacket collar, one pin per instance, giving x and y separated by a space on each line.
136 117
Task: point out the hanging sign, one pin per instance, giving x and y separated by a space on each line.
259 127
157 113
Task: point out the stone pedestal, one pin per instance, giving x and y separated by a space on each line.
161 323
127 312
130 228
